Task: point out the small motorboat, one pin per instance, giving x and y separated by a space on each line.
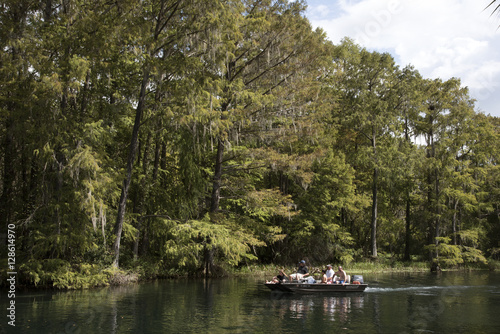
311 285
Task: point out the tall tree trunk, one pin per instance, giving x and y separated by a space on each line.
374 213
408 200
217 180
408 229
375 198
47 12
454 222
130 164
430 194
214 205
142 194
8 175
438 212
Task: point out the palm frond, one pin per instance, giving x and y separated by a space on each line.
497 7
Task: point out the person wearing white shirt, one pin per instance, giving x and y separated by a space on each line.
329 273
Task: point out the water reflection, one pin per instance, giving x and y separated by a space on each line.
340 307
392 304
331 308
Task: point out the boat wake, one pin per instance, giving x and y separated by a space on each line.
412 288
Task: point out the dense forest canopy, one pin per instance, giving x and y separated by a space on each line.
189 136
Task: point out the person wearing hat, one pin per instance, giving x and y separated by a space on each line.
302 271
329 273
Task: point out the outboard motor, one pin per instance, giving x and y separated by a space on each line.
358 278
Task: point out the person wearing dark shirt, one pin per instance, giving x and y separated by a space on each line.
282 276
279 278
302 271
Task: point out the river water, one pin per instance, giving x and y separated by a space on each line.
450 302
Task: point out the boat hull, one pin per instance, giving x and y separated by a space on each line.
315 287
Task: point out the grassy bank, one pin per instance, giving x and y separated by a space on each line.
358 268
363 267
60 274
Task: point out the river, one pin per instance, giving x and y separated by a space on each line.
450 302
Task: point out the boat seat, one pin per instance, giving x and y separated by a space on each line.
348 279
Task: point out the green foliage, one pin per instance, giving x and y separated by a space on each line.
258 141
473 255
449 255
60 274
453 255
182 244
494 264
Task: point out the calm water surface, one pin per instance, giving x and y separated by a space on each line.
393 303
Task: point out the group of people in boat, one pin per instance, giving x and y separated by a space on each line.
336 277
328 276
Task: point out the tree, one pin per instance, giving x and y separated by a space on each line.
369 112
256 55
221 132
451 187
406 167
166 24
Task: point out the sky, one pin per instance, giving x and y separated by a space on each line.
439 38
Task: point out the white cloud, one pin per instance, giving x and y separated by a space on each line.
445 38
321 11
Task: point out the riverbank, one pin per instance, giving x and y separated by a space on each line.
363 267
57 274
